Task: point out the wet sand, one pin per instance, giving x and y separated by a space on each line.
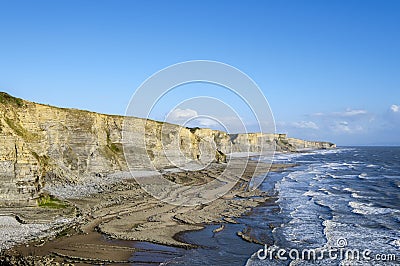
125 212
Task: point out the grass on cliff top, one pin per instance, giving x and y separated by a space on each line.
5 98
47 201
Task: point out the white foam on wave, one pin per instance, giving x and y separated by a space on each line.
368 208
359 236
369 177
333 151
346 177
348 217
354 193
295 190
348 189
332 176
282 156
287 157
311 193
324 190
363 176
396 243
338 166
357 196
300 176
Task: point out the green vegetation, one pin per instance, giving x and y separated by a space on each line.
117 148
114 147
284 141
113 151
47 201
8 99
150 153
20 131
43 160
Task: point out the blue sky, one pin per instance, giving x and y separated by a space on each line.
329 69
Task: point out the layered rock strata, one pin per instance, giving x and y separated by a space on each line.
41 144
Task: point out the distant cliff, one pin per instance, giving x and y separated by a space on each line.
41 144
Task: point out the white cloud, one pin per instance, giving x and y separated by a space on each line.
306 124
350 126
341 126
395 108
300 124
346 127
203 122
318 114
348 121
348 113
181 115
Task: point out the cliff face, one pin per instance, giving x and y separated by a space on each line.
40 144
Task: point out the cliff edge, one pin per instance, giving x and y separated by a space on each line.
41 144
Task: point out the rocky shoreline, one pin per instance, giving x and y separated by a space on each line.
122 210
66 190
43 147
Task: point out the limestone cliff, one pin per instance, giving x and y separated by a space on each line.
41 144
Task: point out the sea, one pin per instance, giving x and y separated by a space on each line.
337 207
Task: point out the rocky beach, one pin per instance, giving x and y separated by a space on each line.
123 211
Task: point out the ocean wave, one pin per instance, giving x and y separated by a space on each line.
326 191
368 208
348 189
354 193
337 166
312 193
327 199
363 176
279 157
396 243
